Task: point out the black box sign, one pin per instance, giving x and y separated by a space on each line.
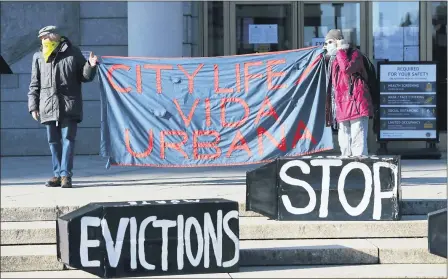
326 188
437 230
148 238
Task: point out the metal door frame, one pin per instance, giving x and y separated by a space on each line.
426 31
204 24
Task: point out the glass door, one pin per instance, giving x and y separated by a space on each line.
396 31
319 18
263 26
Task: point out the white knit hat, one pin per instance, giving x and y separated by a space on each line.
334 34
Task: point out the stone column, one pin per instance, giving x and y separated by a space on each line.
155 29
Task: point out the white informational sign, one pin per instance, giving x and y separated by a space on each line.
408 73
408 104
263 34
411 53
318 42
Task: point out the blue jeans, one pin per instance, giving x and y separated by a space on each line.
61 139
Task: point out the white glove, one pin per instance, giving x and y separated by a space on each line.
342 44
35 115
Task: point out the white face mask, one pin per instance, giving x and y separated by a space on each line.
331 49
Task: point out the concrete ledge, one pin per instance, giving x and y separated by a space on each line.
405 250
44 232
252 253
25 214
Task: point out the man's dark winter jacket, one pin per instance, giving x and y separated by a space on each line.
55 87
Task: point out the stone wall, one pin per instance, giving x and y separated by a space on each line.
100 27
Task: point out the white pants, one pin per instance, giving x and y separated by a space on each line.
352 137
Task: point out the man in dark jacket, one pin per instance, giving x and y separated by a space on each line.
55 97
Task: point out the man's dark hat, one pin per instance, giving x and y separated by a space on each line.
47 30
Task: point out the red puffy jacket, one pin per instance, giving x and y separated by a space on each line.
357 103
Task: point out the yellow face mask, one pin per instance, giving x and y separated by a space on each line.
48 47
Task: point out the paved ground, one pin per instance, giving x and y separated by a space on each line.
22 180
429 271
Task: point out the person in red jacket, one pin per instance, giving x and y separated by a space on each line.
349 104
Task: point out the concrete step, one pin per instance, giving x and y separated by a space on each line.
44 232
20 233
377 271
307 252
262 253
263 228
405 250
23 214
29 258
381 271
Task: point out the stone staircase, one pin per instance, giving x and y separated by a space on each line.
28 244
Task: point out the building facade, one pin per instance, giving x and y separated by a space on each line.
392 30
